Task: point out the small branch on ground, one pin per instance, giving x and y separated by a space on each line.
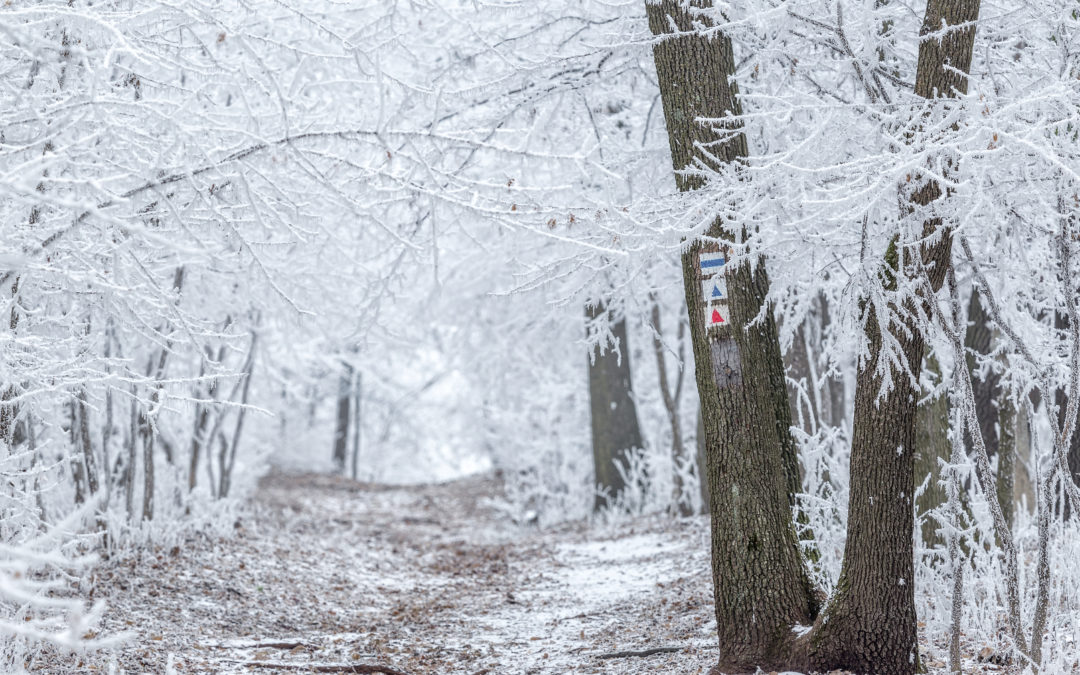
269 644
366 668
644 652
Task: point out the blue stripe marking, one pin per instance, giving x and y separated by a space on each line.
715 262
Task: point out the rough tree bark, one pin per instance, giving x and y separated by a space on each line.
615 430
703 479
760 583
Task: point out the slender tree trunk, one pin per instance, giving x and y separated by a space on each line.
1006 469
199 438
615 430
761 586
805 408
148 472
249 370
932 446
1061 322
1023 475
202 416
78 472
836 390
341 430
671 398
107 428
357 417
132 456
9 412
89 460
979 339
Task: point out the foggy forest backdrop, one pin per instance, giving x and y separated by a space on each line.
414 241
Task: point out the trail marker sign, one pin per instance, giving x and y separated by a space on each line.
711 262
717 315
714 288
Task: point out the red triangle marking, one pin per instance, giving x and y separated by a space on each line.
716 318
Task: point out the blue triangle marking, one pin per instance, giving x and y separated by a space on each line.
716 292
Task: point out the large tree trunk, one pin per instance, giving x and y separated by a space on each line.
615 430
761 585
870 624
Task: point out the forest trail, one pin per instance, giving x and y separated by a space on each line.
324 572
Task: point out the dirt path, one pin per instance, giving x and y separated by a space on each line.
429 579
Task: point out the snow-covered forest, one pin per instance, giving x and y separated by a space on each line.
540 336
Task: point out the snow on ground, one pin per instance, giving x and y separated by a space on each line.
324 572
426 579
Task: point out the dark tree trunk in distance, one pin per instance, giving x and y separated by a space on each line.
341 429
615 430
979 339
1061 399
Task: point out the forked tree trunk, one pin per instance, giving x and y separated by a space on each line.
615 430
760 582
870 625
761 585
